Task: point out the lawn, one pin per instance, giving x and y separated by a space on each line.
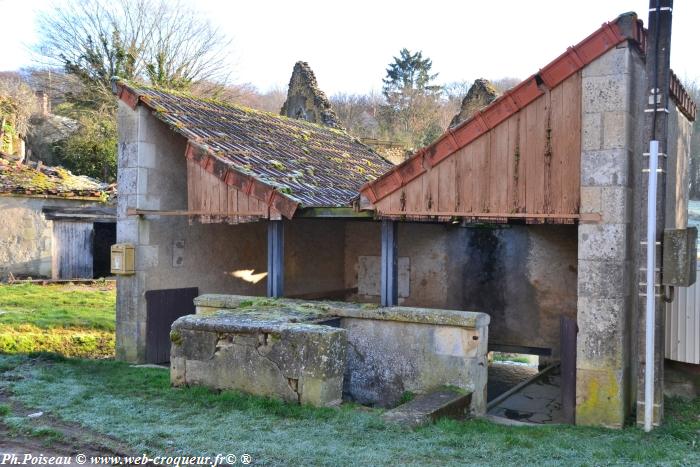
74 320
138 406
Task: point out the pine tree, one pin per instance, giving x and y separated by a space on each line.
411 97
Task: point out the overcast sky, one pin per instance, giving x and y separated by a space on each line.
349 44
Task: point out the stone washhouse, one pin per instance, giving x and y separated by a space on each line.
523 215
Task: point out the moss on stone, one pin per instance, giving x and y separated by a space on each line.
175 337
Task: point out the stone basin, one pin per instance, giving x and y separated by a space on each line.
323 352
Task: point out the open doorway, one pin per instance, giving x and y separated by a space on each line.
104 236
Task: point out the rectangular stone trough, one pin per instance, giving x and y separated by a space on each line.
323 352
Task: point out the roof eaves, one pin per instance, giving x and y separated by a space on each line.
574 59
248 184
213 164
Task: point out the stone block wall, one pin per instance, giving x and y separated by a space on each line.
26 236
217 258
524 277
605 249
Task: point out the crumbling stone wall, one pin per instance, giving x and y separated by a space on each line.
306 101
480 94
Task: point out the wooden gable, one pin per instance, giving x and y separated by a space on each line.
211 200
527 167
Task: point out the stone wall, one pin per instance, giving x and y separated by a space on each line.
26 236
216 258
524 277
297 350
388 358
611 120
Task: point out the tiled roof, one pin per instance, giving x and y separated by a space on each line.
283 161
574 59
53 182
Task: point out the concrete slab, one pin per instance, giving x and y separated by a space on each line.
537 403
427 408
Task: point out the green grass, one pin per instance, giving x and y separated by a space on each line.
73 320
58 306
138 406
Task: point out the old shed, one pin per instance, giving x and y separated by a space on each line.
54 224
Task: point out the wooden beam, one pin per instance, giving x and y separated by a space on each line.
490 215
333 213
153 212
389 264
275 259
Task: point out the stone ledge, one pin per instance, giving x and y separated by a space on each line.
427 408
317 310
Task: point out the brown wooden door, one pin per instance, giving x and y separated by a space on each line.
163 307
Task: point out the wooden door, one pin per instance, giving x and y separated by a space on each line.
72 250
163 307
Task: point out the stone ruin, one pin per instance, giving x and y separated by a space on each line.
306 101
480 94
322 353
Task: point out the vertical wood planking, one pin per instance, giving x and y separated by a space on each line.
555 146
533 153
480 171
414 195
465 176
516 174
571 176
498 169
73 249
190 186
430 192
446 185
530 163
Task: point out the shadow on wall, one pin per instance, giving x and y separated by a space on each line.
524 277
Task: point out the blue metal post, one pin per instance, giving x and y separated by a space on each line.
390 273
275 259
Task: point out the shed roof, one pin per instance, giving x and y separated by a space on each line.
625 28
283 161
54 182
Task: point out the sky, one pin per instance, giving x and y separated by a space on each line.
349 44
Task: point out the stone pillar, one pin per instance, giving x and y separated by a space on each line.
605 266
135 156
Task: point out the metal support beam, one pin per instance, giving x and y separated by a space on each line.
275 259
390 269
567 339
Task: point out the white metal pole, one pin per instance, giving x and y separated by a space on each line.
651 287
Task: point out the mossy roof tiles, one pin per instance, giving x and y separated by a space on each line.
314 165
33 180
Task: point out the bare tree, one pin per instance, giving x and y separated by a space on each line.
158 41
504 84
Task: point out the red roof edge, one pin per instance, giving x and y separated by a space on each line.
574 59
243 182
682 99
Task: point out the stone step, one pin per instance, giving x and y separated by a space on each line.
427 408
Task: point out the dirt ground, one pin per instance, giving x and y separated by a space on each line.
66 439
